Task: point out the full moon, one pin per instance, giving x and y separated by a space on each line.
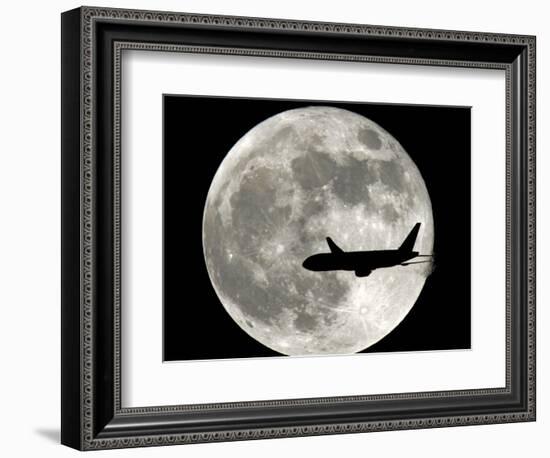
287 184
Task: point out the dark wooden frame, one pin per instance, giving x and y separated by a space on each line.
92 42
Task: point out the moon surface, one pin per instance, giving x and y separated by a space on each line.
289 182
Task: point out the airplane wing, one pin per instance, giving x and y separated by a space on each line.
333 247
414 262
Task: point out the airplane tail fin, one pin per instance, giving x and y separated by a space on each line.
333 247
408 243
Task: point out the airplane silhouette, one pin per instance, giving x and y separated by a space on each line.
364 262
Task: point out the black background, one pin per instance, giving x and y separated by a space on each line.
198 133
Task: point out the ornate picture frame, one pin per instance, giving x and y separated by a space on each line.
93 40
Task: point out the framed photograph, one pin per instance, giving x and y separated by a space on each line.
277 228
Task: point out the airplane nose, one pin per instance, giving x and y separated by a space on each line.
307 263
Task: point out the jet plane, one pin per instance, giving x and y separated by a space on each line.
364 262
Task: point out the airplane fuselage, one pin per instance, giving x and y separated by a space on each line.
364 260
